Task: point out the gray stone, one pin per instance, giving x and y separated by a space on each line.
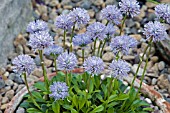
140 72
86 4
108 56
20 110
5 100
2 83
161 65
10 94
16 78
9 82
14 16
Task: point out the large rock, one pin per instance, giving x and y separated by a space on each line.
14 16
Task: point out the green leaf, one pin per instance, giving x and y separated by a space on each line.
104 88
25 104
110 110
99 97
147 109
112 97
44 107
112 104
98 109
56 107
75 101
91 87
37 95
82 101
33 110
97 81
123 97
40 86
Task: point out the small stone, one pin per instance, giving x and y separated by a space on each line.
150 4
42 9
163 82
10 94
137 59
2 70
128 57
86 53
20 110
134 69
110 2
161 65
4 106
16 78
4 100
86 4
48 62
91 13
97 2
2 83
108 56
154 58
148 100
45 17
136 36
15 86
154 80
38 72
9 82
37 61
68 7
19 49
20 40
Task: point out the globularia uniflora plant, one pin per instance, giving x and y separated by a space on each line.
87 92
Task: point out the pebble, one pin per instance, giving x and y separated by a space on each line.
161 65
20 40
136 36
16 78
5 100
148 100
86 52
2 83
154 80
9 82
15 86
154 58
2 70
97 2
38 72
128 57
20 87
10 94
4 106
134 68
108 56
20 110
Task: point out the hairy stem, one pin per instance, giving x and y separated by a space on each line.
83 54
99 48
123 22
72 33
143 74
64 41
32 98
94 47
44 70
55 63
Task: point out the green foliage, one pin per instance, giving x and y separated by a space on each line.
87 94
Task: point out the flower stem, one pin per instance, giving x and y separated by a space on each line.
123 22
103 47
110 86
67 78
44 70
94 47
64 41
143 74
32 98
55 63
98 52
140 64
83 54
72 33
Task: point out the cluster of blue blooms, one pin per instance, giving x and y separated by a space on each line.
40 39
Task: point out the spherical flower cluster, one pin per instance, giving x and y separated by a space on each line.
37 25
119 69
81 40
96 30
155 30
94 65
59 90
66 61
23 64
110 29
130 7
64 22
112 13
79 16
162 11
54 49
40 40
122 44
